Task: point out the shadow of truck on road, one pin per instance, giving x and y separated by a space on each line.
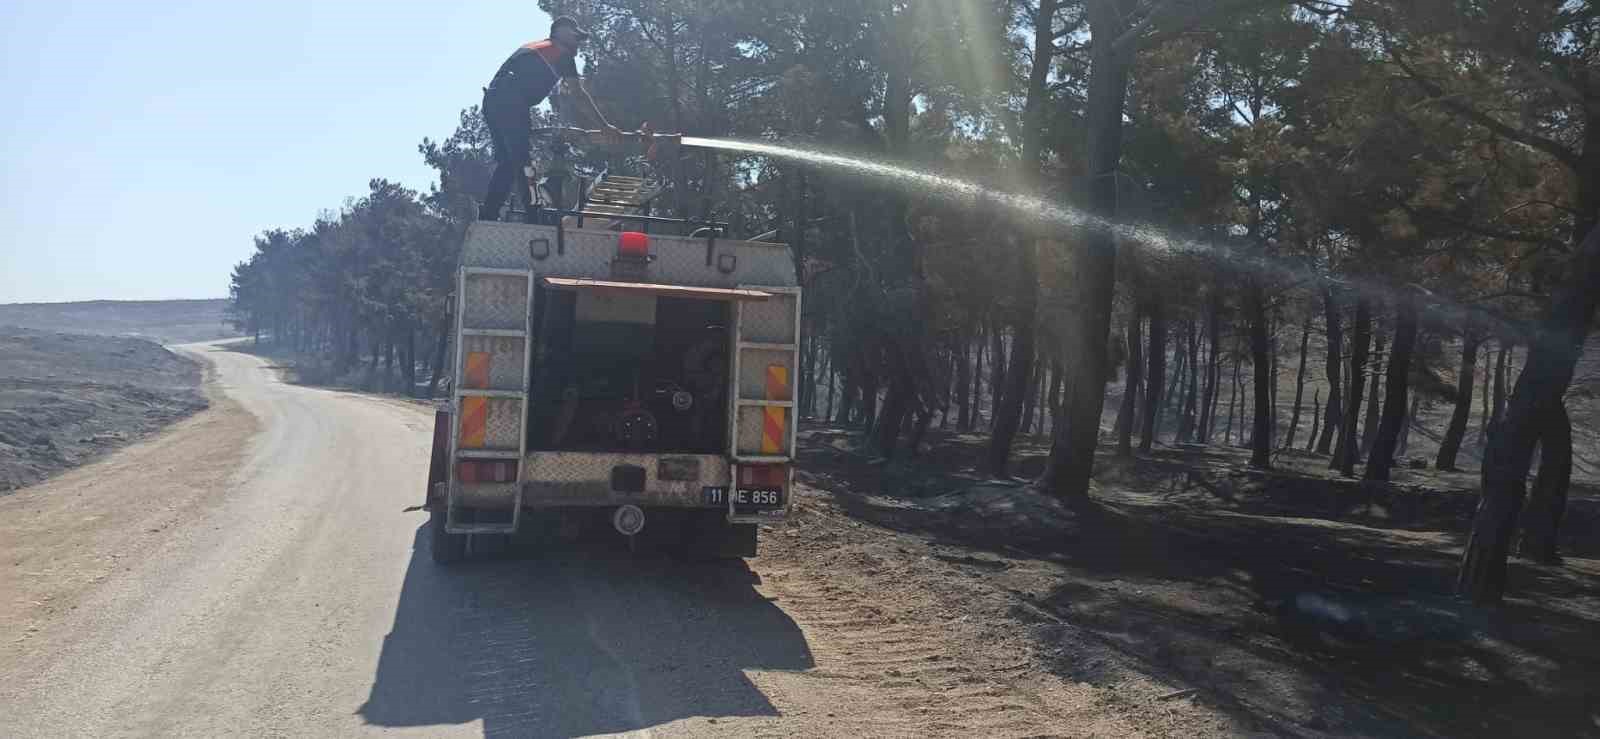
577 643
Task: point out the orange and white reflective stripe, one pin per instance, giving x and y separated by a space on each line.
477 370
777 382
474 421
772 430
775 426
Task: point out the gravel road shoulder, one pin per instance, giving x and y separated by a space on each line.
63 537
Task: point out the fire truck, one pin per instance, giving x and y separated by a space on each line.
620 367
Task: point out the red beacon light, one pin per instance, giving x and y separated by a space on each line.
634 245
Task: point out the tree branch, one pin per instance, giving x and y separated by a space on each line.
1131 35
1555 149
1559 86
1187 21
1512 294
1069 29
1484 231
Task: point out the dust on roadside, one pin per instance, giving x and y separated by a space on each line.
66 399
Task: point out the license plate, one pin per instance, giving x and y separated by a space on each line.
746 497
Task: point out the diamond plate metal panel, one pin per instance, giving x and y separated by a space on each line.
506 367
495 301
493 496
596 467
587 253
504 426
499 245
753 373
768 321
584 478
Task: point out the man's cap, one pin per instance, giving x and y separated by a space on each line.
567 20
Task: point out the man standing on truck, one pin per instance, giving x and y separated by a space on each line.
526 78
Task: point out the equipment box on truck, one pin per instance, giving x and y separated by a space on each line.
644 377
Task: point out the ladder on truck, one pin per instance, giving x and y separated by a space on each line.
490 395
615 195
766 364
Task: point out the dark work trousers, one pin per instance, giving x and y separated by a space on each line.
509 132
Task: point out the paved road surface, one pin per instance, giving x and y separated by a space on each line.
252 571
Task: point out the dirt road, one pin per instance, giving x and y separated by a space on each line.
252 571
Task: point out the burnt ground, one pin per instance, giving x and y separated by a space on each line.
1204 599
66 398
164 321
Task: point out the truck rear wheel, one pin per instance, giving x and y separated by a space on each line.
447 548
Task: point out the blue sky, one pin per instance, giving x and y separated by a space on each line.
146 143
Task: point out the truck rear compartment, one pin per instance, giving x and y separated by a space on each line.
629 372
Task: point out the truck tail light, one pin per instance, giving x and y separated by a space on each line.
481 471
764 476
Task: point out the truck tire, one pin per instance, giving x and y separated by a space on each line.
447 548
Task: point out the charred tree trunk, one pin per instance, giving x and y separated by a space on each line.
869 402
847 397
1535 403
948 392
833 382
1300 386
1277 371
919 430
997 373
1071 462
1186 421
1381 461
1316 418
1208 403
1499 386
1133 371
1369 427
1055 396
1173 384
1233 401
1486 415
1020 379
897 406
1019 376
1450 447
1344 456
964 385
1263 375
1334 322
1032 402
1157 374
1405 428
1541 522
977 385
